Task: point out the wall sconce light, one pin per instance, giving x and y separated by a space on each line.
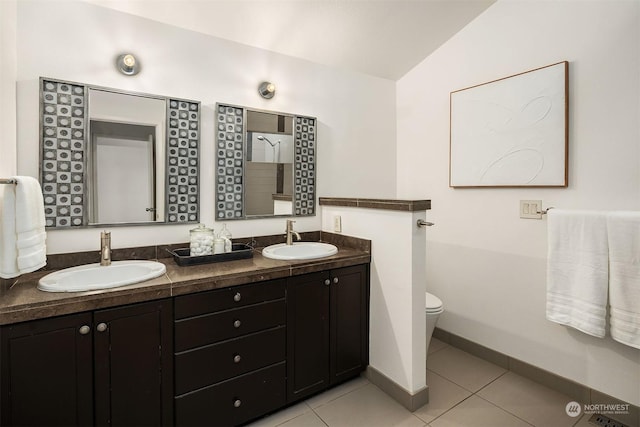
128 64
267 90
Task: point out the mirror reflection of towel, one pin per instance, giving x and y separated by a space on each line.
22 222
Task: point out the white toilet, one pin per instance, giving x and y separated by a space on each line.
433 308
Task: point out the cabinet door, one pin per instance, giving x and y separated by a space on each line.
349 322
307 335
47 372
134 364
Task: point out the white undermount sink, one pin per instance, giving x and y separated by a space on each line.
299 250
91 277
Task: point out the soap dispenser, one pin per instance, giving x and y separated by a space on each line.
226 235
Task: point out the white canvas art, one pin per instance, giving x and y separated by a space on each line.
511 132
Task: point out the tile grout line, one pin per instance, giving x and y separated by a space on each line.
503 409
340 396
297 416
440 349
486 400
326 403
480 397
475 393
450 409
491 382
465 388
321 419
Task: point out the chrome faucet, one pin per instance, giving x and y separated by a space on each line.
291 233
105 248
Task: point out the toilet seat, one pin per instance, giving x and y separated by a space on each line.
433 304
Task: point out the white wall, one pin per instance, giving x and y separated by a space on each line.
77 41
8 71
397 324
487 265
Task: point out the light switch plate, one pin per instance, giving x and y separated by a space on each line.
531 209
337 224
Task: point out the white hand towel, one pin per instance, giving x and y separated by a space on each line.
577 270
22 222
8 238
624 280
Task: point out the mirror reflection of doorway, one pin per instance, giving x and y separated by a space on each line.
122 168
125 155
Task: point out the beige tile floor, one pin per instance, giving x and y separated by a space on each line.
464 391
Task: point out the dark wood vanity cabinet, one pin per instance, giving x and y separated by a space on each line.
230 358
245 351
327 329
47 372
106 367
215 358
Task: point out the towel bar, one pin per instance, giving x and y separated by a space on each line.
8 181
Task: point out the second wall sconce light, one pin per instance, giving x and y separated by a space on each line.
267 90
128 64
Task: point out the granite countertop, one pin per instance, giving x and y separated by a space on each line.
22 301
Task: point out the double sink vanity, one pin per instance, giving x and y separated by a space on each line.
147 340
210 344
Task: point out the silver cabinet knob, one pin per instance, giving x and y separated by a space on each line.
237 403
84 330
335 280
237 297
101 327
237 324
237 358
327 282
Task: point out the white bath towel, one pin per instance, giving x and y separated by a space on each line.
22 222
577 270
624 277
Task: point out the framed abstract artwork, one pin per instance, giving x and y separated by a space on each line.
511 132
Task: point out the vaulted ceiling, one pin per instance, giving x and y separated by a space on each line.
383 38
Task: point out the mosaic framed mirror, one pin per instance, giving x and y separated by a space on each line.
112 157
265 163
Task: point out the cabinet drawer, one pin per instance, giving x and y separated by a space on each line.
234 401
227 298
208 365
203 330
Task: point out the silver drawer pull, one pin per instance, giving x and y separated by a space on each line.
327 282
101 327
237 324
237 358
237 297
84 330
237 403
335 280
